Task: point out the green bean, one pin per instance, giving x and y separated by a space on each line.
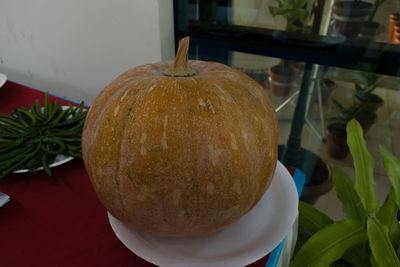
60 116
14 152
12 161
46 105
38 111
36 136
45 165
27 113
16 164
59 144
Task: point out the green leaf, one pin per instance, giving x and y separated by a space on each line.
358 255
301 14
300 3
372 261
387 215
392 167
380 244
311 219
351 203
329 244
273 10
363 165
302 238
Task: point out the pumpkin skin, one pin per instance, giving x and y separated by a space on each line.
180 156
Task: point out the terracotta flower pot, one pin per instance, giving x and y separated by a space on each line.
367 121
393 18
372 104
318 174
396 40
370 29
336 138
350 16
281 80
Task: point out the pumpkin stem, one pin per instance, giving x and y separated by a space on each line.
181 67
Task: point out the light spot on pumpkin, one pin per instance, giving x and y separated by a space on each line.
180 216
124 95
143 150
233 141
245 138
210 188
164 134
116 111
214 154
143 138
236 187
230 212
201 103
176 196
152 87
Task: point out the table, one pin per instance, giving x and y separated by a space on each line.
57 220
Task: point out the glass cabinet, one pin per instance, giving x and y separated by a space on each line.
321 63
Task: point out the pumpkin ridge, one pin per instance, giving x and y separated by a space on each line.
119 145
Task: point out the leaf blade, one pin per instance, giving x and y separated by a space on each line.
311 219
345 192
330 243
392 168
380 244
387 215
364 167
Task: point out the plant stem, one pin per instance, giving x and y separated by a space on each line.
181 66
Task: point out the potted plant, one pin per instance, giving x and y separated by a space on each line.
370 27
283 75
364 92
350 16
336 130
370 233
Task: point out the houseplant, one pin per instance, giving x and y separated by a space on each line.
370 27
283 75
336 130
370 235
350 16
364 92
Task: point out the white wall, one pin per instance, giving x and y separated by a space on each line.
74 48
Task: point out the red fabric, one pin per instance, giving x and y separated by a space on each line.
57 220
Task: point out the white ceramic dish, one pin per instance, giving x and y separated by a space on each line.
3 79
245 241
60 159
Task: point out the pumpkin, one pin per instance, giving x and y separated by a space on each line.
180 148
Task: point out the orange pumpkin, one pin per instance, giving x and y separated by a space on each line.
180 149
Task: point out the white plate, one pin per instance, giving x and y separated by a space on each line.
3 79
252 237
60 159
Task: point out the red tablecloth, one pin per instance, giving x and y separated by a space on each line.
57 220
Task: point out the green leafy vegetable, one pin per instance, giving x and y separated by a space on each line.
330 243
33 138
363 165
380 244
